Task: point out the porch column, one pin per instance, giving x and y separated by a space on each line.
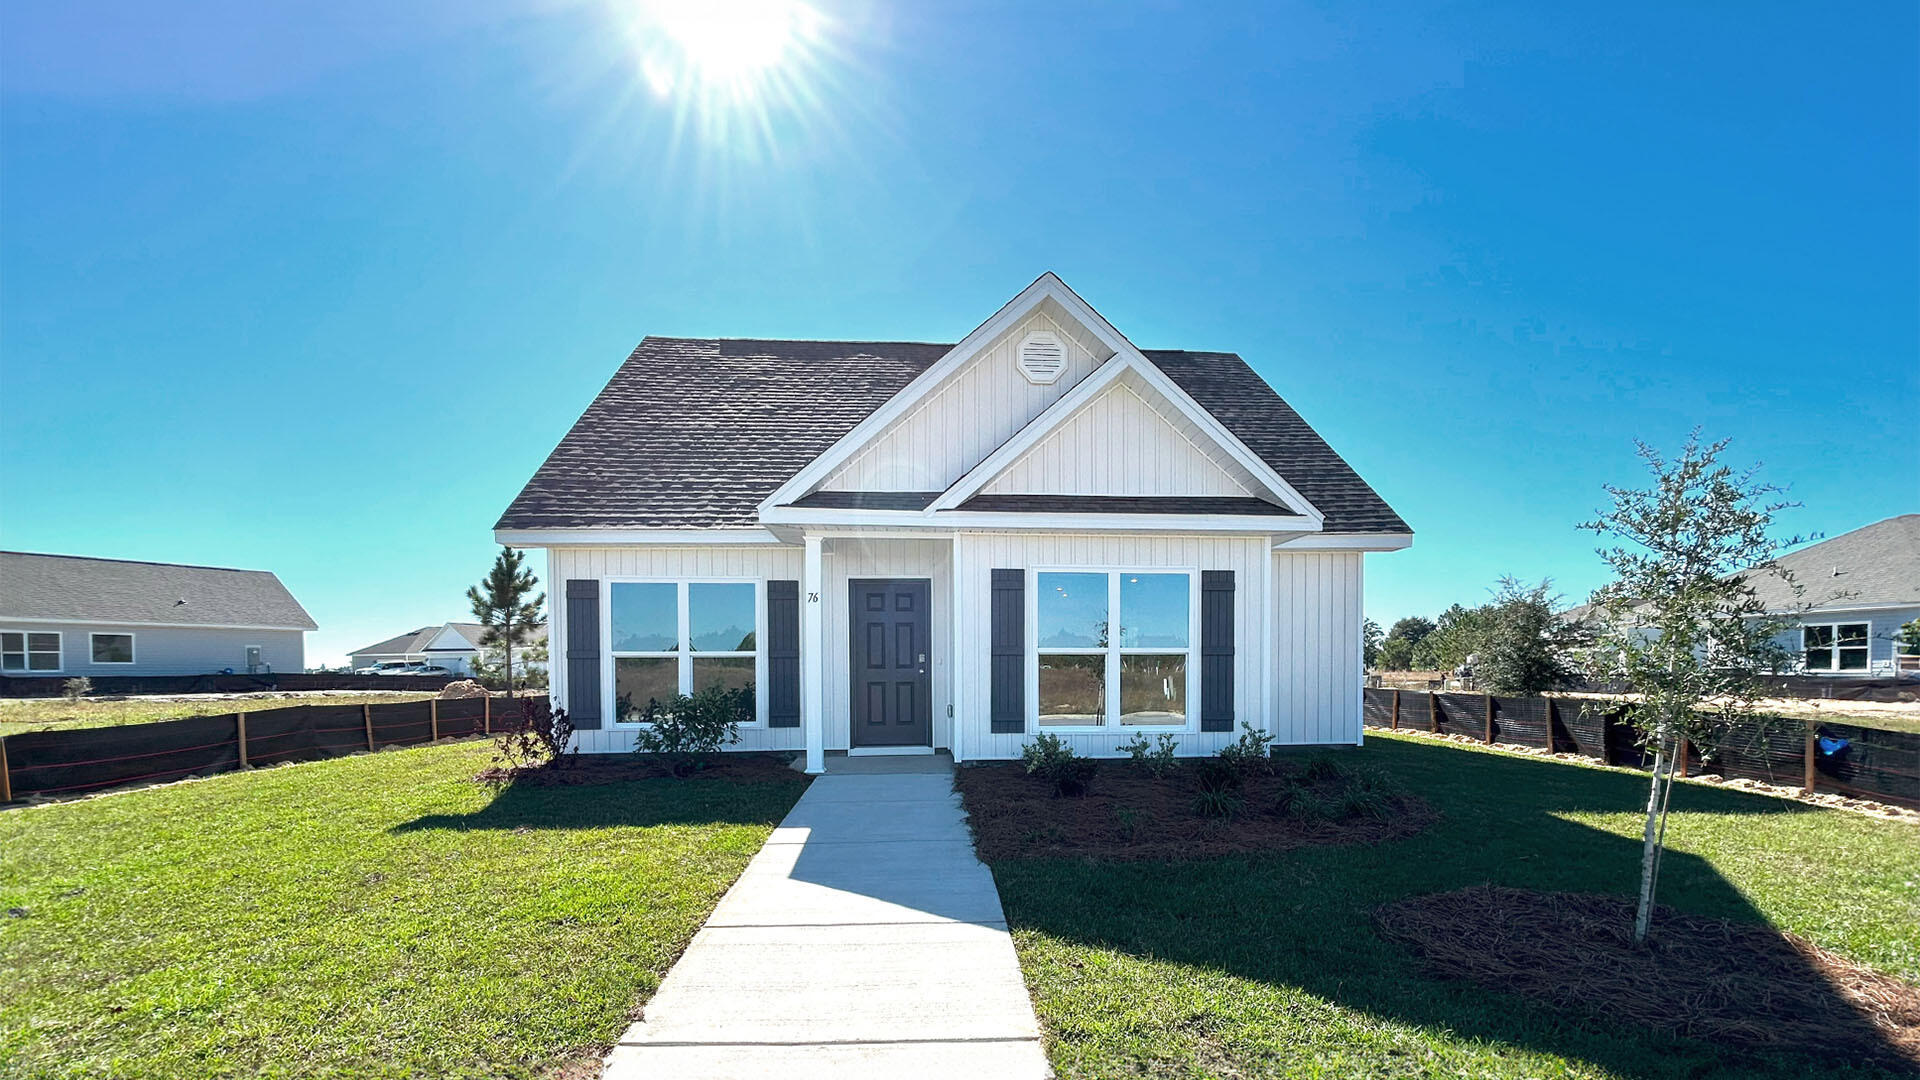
812 659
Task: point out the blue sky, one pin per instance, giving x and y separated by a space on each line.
314 287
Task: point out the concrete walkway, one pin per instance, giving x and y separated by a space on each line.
864 940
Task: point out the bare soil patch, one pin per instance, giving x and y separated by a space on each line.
1738 984
1131 815
620 768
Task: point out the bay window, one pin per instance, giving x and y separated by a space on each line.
1113 648
680 637
1835 646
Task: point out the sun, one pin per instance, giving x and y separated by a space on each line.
742 50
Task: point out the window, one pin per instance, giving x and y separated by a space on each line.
29 650
1835 646
1090 676
112 648
680 637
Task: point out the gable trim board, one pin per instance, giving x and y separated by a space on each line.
1223 500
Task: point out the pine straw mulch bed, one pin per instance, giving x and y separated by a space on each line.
746 768
1130 815
1740 985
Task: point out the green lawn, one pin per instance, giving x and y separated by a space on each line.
370 916
1270 966
50 714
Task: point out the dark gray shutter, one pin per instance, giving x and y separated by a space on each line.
1008 672
1216 650
783 654
583 652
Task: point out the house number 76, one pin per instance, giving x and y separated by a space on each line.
813 598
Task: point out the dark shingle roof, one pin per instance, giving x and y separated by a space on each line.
694 433
1125 504
82 589
1874 564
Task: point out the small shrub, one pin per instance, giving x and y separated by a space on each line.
1212 774
1055 762
541 739
1248 755
1321 768
1219 802
1157 757
75 689
1364 802
1128 819
688 730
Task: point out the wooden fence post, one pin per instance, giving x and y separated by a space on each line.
1811 753
1433 712
6 773
240 737
1546 704
486 713
1396 709
366 714
1682 763
1489 698
433 717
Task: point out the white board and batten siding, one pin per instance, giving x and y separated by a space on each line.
1118 444
740 561
1318 660
979 407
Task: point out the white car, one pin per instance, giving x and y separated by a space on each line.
390 667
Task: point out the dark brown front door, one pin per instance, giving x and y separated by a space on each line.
892 642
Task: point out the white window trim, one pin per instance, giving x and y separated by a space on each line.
608 702
1112 724
133 648
26 654
1833 650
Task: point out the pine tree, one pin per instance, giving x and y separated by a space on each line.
500 604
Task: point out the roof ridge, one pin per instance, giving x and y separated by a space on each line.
138 562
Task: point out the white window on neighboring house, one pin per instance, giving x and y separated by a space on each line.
1836 646
29 650
112 648
680 637
1090 677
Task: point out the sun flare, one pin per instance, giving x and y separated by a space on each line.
735 49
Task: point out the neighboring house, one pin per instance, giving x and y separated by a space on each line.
450 645
1859 588
907 546
70 615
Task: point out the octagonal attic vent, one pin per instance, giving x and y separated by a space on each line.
1042 356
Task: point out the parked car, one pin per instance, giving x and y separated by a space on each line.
389 667
415 669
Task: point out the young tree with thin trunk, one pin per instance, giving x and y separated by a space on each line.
500 604
1681 624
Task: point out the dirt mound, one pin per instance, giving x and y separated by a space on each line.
1741 985
465 688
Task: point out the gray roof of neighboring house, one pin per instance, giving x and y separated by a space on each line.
415 642
695 432
1878 564
76 588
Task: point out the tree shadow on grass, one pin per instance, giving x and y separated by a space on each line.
629 804
1305 919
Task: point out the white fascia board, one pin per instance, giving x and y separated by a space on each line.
1346 542
548 538
89 621
1046 286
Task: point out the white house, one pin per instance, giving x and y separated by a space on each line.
907 547
450 645
1857 590
69 615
